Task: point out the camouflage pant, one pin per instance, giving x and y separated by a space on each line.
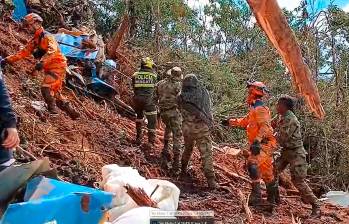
173 121
296 158
199 134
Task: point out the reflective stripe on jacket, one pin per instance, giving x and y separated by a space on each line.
144 79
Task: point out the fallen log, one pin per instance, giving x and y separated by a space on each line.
232 174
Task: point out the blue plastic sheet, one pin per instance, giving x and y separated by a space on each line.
99 86
71 47
20 10
52 201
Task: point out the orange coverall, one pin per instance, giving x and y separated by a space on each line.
258 127
53 61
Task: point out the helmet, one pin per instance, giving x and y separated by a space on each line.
176 73
258 88
110 65
32 18
147 62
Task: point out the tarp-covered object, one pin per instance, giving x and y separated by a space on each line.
52 201
20 10
71 47
272 20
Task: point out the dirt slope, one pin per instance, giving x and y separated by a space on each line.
78 149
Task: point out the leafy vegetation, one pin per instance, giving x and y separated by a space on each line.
223 45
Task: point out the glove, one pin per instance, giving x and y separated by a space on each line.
225 122
256 148
39 54
245 153
3 62
39 66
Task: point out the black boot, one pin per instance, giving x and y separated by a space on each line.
49 100
256 194
272 195
315 211
273 192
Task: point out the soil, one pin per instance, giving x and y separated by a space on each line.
79 148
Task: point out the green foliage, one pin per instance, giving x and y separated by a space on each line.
225 47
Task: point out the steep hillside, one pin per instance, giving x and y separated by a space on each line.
78 149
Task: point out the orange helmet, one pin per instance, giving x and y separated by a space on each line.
258 88
32 18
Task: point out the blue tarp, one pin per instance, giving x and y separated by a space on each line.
20 10
71 47
99 86
52 201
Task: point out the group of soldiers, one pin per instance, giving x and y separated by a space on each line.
185 108
184 105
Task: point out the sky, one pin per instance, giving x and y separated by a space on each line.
288 4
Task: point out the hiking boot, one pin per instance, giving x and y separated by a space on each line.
272 192
66 107
315 211
256 195
49 100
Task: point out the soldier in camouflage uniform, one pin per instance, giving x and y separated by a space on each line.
195 104
166 96
292 152
144 85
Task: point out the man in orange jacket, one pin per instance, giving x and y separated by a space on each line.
44 47
262 143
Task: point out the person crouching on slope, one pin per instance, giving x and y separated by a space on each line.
262 143
44 47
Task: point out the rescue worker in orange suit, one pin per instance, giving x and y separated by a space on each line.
44 47
262 143
144 104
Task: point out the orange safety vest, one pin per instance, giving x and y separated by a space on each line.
257 124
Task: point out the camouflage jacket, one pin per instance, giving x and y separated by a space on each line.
194 123
166 94
288 131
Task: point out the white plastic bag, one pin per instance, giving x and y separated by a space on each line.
116 177
167 195
139 215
